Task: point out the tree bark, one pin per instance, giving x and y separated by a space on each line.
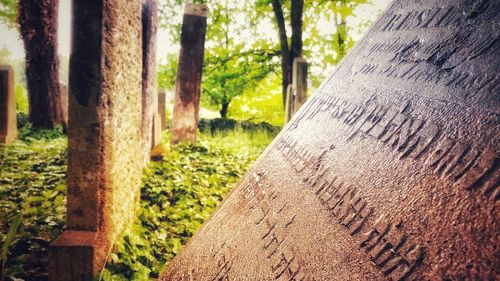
286 68
38 28
296 23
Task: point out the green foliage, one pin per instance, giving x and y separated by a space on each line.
22 105
232 62
8 12
32 185
16 221
260 104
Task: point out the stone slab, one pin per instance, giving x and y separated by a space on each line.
105 152
8 121
149 93
188 83
299 82
162 108
389 172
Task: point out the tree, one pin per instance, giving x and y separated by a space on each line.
38 28
293 50
228 76
232 63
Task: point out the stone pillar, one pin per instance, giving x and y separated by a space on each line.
188 85
8 121
289 103
63 99
149 94
162 108
299 82
105 152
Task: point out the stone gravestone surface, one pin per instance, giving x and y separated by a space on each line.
149 94
162 108
63 98
8 121
299 82
105 154
188 84
289 103
390 171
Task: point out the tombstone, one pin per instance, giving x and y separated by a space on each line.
389 172
299 82
105 153
156 140
289 103
188 84
149 94
8 121
63 98
162 108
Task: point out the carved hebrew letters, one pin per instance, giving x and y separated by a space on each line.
389 172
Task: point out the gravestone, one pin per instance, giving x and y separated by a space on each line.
105 153
8 121
156 140
162 108
149 94
188 84
299 82
389 172
63 98
289 103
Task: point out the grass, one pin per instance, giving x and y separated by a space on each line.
177 196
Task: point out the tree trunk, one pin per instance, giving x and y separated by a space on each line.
286 68
296 23
38 28
224 109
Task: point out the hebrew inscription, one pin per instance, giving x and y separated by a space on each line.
389 172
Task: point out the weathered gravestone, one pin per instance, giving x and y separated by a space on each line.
8 122
296 93
105 153
289 103
188 84
299 82
162 108
390 172
149 95
63 99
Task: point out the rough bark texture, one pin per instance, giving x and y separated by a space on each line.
38 27
149 94
105 152
188 85
8 122
296 23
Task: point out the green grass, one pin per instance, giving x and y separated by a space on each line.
177 196
32 185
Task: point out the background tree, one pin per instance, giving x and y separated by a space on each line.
292 50
8 12
38 28
253 46
231 65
